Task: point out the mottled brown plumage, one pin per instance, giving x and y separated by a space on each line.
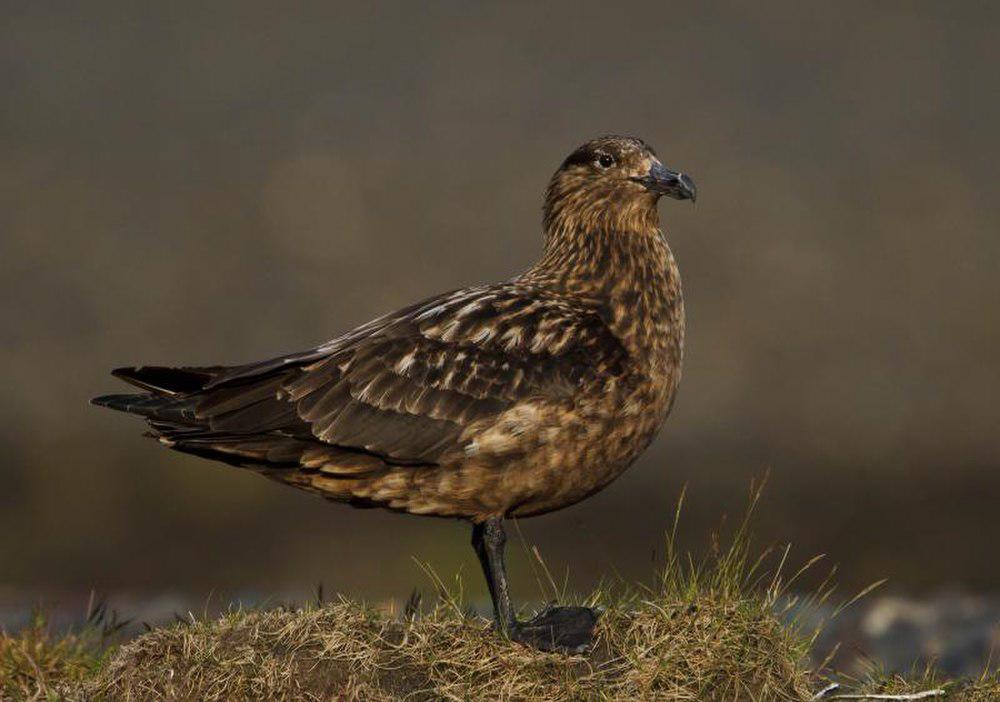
504 400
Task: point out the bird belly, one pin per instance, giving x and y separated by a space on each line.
543 457
587 453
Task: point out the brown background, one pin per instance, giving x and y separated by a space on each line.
217 183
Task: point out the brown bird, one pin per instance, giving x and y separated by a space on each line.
499 401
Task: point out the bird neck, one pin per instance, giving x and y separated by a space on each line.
624 265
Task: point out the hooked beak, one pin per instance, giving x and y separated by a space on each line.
663 181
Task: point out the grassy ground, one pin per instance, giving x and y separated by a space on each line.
710 631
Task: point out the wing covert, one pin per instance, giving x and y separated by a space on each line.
408 388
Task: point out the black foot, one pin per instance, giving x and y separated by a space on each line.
562 629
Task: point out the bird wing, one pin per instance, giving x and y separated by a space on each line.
404 387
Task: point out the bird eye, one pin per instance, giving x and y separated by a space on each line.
605 161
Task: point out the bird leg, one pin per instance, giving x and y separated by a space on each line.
564 629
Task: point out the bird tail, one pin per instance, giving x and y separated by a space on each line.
170 395
150 406
165 380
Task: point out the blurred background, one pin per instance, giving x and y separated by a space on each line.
192 184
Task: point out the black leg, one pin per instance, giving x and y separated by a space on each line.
566 629
489 540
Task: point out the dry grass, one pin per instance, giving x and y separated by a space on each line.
984 689
34 662
709 631
695 650
37 664
692 650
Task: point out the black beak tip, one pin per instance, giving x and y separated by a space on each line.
663 181
688 187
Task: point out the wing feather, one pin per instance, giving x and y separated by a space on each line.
408 389
402 389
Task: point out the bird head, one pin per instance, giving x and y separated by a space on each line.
614 178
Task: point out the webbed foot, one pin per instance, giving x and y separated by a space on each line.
560 629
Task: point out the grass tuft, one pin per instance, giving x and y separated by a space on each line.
695 649
707 630
715 629
37 664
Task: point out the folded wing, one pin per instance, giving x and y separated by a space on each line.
401 390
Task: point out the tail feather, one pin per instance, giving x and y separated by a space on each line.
230 415
170 409
248 432
172 381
